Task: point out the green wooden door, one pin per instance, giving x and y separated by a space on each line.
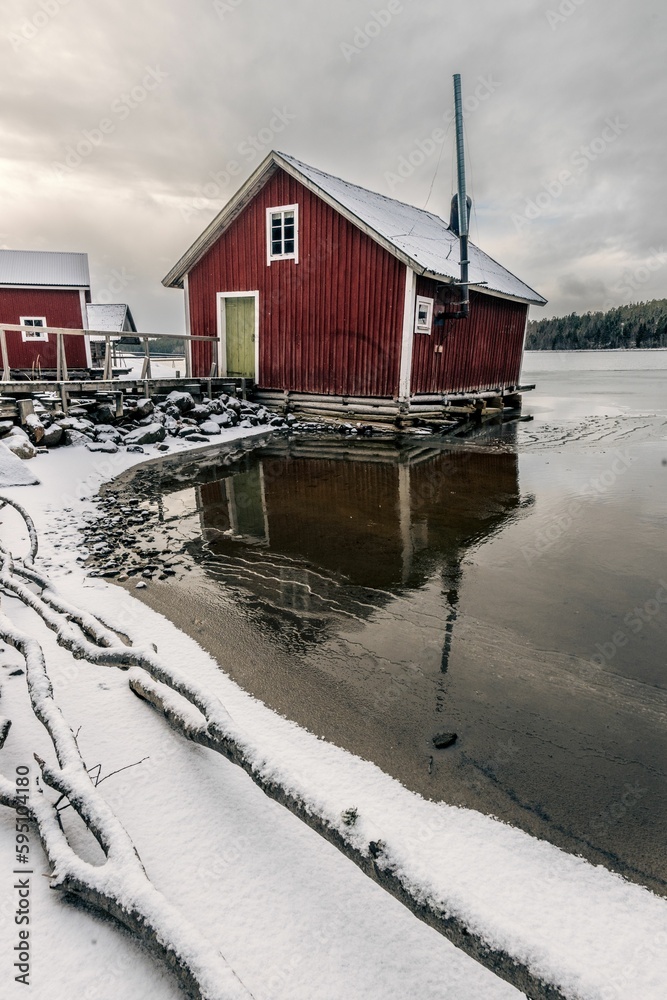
240 335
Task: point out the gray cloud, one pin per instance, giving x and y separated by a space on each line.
184 90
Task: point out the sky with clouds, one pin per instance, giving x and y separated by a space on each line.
126 126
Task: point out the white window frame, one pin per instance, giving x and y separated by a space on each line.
25 336
427 326
270 212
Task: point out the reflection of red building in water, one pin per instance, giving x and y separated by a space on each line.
377 517
319 287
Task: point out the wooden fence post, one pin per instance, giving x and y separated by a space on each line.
108 367
61 359
188 358
146 367
63 398
5 357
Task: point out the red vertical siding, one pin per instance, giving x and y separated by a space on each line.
331 323
61 307
481 352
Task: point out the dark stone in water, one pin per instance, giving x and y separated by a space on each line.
443 740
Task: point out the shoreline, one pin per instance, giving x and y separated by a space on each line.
508 887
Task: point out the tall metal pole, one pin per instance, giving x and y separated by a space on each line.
462 196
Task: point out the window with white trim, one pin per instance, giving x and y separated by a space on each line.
423 314
282 233
36 322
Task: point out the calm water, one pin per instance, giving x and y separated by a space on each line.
511 588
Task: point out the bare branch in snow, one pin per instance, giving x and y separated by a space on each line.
97 780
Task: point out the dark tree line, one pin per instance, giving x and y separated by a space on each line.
643 324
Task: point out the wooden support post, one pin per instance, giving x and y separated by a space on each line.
214 370
25 408
209 388
108 366
119 404
512 400
146 367
5 356
61 359
63 398
244 390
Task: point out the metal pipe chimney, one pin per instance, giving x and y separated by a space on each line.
462 196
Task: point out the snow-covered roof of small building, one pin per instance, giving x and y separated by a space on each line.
419 238
114 317
44 267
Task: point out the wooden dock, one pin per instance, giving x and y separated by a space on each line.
63 394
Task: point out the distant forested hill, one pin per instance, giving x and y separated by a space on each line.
643 324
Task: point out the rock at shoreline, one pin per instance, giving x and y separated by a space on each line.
13 472
19 443
35 428
106 446
209 427
146 435
183 401
53 435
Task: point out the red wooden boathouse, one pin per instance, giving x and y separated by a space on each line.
338 295
40 288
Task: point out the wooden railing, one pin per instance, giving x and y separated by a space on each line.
61 359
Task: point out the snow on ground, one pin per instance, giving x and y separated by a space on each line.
292 916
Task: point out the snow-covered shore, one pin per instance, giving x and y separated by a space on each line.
292 916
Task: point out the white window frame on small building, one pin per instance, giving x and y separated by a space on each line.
281 210
36 322
423 305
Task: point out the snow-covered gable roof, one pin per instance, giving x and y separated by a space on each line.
112 316
422 236
420 239
44 268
